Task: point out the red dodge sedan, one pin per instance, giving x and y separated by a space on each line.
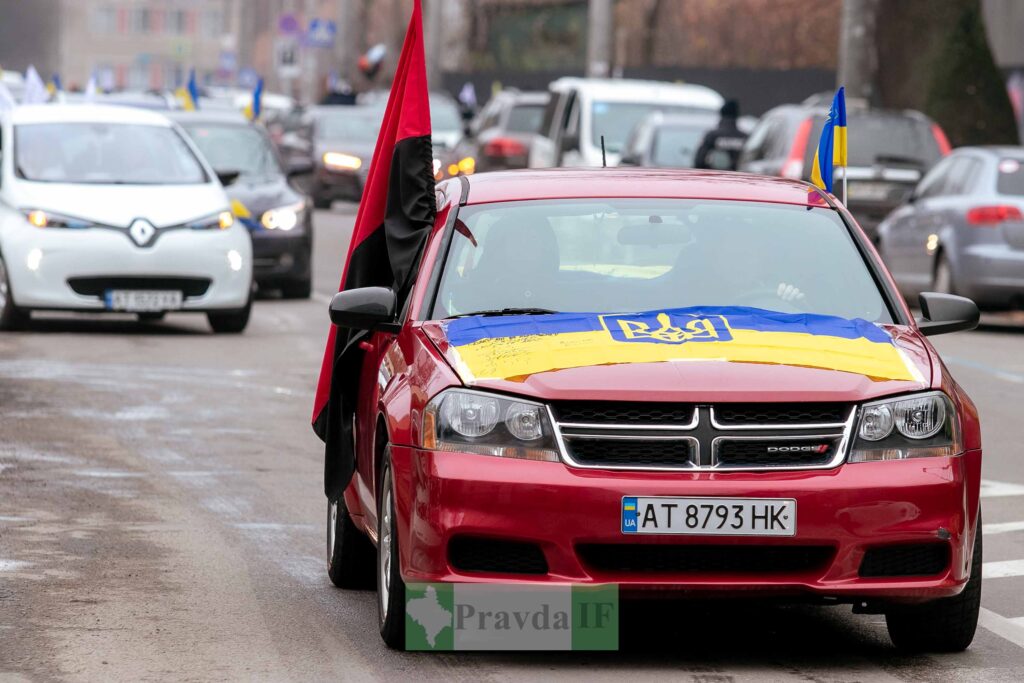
690 382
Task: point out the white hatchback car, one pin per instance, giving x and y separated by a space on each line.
113 209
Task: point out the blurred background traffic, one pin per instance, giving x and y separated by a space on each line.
732 84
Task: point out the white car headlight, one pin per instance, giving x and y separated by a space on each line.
488 424
339 161
916 426
282 218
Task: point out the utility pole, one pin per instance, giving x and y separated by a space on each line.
858 51
599 38
310 56
433 29
349 43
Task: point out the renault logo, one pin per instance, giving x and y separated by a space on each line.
142 232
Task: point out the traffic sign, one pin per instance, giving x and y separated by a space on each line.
321 33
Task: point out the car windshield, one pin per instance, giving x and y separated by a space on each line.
634 255
616 120
525 118
235 148
444 115
348 125
676 146
884 139
104 153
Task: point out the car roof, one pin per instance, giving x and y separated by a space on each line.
630 90
85 113
215 116
627 182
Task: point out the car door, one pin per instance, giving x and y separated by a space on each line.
568 143
904 233
372 382
542 149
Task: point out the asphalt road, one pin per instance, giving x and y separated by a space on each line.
162 517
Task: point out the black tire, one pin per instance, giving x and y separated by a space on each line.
945 625
322 202
390 603
297 290
350 554
11 316
942 280
153 317
230 322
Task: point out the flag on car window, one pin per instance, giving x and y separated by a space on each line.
394 217
831 150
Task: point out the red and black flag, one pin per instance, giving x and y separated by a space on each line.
394 218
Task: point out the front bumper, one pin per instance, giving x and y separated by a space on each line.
340 185
441 496
99 253
281 257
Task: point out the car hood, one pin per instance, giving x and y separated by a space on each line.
120 205
257 195
685 355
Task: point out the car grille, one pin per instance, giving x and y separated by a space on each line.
472 554
97 286
910 559
704 559
725 436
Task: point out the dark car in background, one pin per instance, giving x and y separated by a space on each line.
277 216
962 229
343 138
889 152
499 136
667 140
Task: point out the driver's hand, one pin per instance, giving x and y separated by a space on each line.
789 292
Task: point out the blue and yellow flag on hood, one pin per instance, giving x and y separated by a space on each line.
831 150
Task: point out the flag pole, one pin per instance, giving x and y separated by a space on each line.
844 186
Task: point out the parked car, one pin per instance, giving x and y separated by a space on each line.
582 110
696 382
500 135
343 138
667 140
962 229
889 152
113 209
278 217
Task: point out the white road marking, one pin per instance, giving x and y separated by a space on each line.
988 369
1010 629
1001 570
1001 528
12 565
998 489
106 474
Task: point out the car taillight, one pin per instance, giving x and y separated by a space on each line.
794 166
941 140
993 215
505 147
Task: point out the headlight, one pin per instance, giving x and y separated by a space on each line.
342 162
282 218
437 169
45 219
220 221
918 426
487 424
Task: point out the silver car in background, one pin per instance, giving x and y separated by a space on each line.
962 229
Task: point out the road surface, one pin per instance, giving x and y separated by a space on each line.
162 517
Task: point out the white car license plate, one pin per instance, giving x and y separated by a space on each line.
143 300
868 191
709 516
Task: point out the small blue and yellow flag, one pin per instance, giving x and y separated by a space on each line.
832 145
255 108
189 95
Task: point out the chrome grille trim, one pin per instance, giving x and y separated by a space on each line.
711 436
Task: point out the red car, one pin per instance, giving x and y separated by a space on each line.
696 383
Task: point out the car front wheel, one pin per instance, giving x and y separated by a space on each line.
350 559
945 625
230 322
11 317
390 588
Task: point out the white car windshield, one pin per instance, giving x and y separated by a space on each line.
104 153
616 120
633 255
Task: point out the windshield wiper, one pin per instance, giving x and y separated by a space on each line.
504 311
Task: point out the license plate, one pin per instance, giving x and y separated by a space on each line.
709 516
142 300
869 191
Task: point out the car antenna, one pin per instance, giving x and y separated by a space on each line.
604 159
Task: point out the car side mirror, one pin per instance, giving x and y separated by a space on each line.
226 177
366 308
943 313
570 142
